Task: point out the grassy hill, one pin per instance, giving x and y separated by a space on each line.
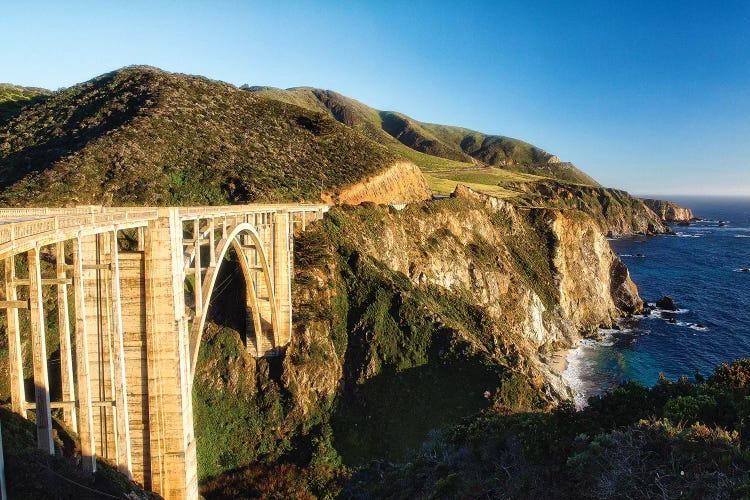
140 135
440 150
14 98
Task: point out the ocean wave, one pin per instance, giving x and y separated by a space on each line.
743 270
742 235
655 311
577 365
700 328
679 323
683 235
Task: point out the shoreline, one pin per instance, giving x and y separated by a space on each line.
559 360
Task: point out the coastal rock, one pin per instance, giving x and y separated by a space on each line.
666 303
615 211
669 211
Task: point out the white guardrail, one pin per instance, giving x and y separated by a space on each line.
20 225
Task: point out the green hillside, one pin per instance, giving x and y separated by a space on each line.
14 98
140 135
435 148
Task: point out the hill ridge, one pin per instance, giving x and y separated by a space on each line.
467 147
140 135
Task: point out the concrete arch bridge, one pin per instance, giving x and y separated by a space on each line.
127 291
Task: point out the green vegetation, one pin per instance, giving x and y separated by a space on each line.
141 136
32 474
14 98
615 211
677 439
432 147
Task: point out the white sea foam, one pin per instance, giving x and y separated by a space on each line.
699 328
658 312
578 364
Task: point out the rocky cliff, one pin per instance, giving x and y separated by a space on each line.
452 305
617 212
402 182
669 211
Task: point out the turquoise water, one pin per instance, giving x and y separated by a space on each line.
700 268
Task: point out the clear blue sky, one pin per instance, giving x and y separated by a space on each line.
651 96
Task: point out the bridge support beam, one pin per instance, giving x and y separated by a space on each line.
37 325
66 348
83 380
282 279
15 360
172 443
96 281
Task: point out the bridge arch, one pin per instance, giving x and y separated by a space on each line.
232 240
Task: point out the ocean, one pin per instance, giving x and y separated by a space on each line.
701 269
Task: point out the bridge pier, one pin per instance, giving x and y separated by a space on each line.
173 461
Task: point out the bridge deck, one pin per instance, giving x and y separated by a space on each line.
24 228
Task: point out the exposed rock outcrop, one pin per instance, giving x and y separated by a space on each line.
617 212
669 211
666 303
402 182
540 277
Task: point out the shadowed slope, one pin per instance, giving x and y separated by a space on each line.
144 136
14 98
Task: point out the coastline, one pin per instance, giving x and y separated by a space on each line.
559 360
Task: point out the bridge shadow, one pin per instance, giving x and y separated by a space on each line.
227 306
392 414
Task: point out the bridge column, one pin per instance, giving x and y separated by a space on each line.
173 466
282 274
133 314
66 347
15 361
96 259
37 325
83 379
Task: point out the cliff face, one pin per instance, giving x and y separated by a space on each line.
402 182
407 321
669 211
616 212
536 278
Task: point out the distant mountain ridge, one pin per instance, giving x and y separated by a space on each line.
468 148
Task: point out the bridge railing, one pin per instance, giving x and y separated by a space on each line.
24 226
21 233
11 213
221 210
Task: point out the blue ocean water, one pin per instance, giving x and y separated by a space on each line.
700 267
